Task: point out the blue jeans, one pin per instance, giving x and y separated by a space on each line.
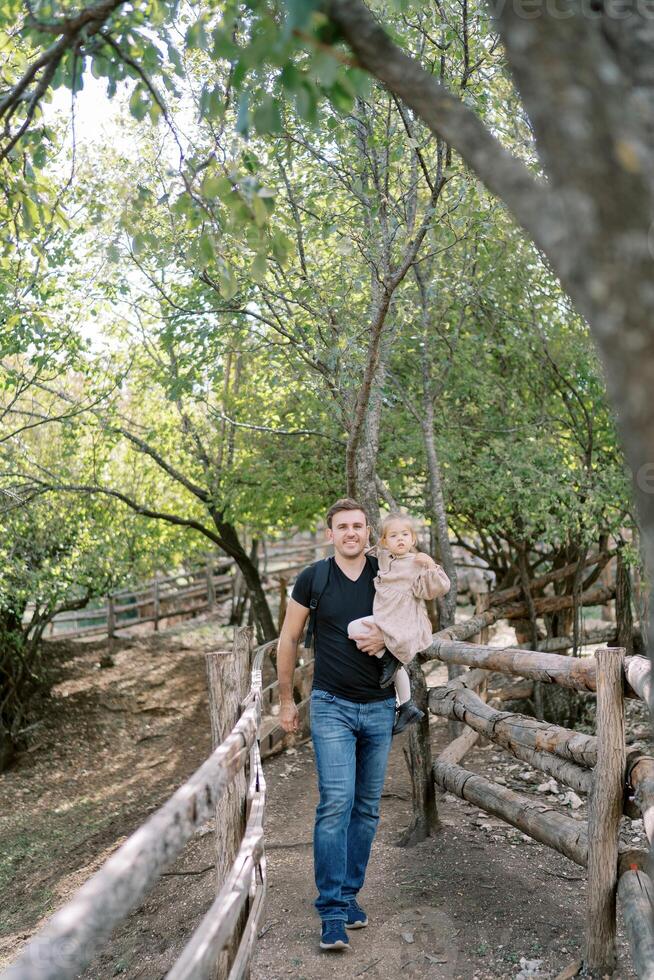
351 743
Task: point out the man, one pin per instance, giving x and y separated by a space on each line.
351 718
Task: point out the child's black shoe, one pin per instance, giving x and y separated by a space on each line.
390 666
408 714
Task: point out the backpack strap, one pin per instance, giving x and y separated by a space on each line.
321 571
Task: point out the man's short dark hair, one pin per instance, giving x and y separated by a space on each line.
345 503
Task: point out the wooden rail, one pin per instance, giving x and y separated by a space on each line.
184 593
596 765
75 934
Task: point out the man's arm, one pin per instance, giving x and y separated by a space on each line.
292 629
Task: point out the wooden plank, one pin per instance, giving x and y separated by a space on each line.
636 896
98 613
604 812
532 816
241 965
76 933
227 674
199 956
512 730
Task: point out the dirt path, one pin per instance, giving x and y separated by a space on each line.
469 903
472 903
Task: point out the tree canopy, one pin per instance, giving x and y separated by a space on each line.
330 249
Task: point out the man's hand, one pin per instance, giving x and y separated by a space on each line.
373 643
425 560
289 717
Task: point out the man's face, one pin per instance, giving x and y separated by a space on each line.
349 533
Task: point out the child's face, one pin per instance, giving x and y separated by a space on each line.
399 537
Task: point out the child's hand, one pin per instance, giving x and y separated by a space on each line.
426 561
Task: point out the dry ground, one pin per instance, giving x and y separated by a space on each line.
472 902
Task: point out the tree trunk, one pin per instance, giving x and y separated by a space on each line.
365 490
20 681
599 244
263 617
425 820
623 611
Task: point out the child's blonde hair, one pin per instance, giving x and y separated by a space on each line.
396 515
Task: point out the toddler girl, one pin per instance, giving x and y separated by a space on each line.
405 579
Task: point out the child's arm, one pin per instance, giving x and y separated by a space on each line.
431 581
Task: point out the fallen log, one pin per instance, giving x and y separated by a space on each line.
476 623
548 604
515 591
636 897
639 678
521 691
640 782
510 730
532 817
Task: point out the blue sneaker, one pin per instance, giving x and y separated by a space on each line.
356 917
334 935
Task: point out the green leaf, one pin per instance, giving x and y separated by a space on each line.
196 35
212 185
139 103
243 117
325 67
207 249
267 117
298 14
260 212
258 268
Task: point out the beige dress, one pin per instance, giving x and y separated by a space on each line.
399 610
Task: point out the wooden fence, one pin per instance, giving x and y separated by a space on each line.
186 593
229 787
193 590
594 764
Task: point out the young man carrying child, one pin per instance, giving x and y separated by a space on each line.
352 718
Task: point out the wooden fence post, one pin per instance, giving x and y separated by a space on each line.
211 592
111 617
156 604
604 812
228 679
481 605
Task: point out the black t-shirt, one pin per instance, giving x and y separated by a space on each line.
340 667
